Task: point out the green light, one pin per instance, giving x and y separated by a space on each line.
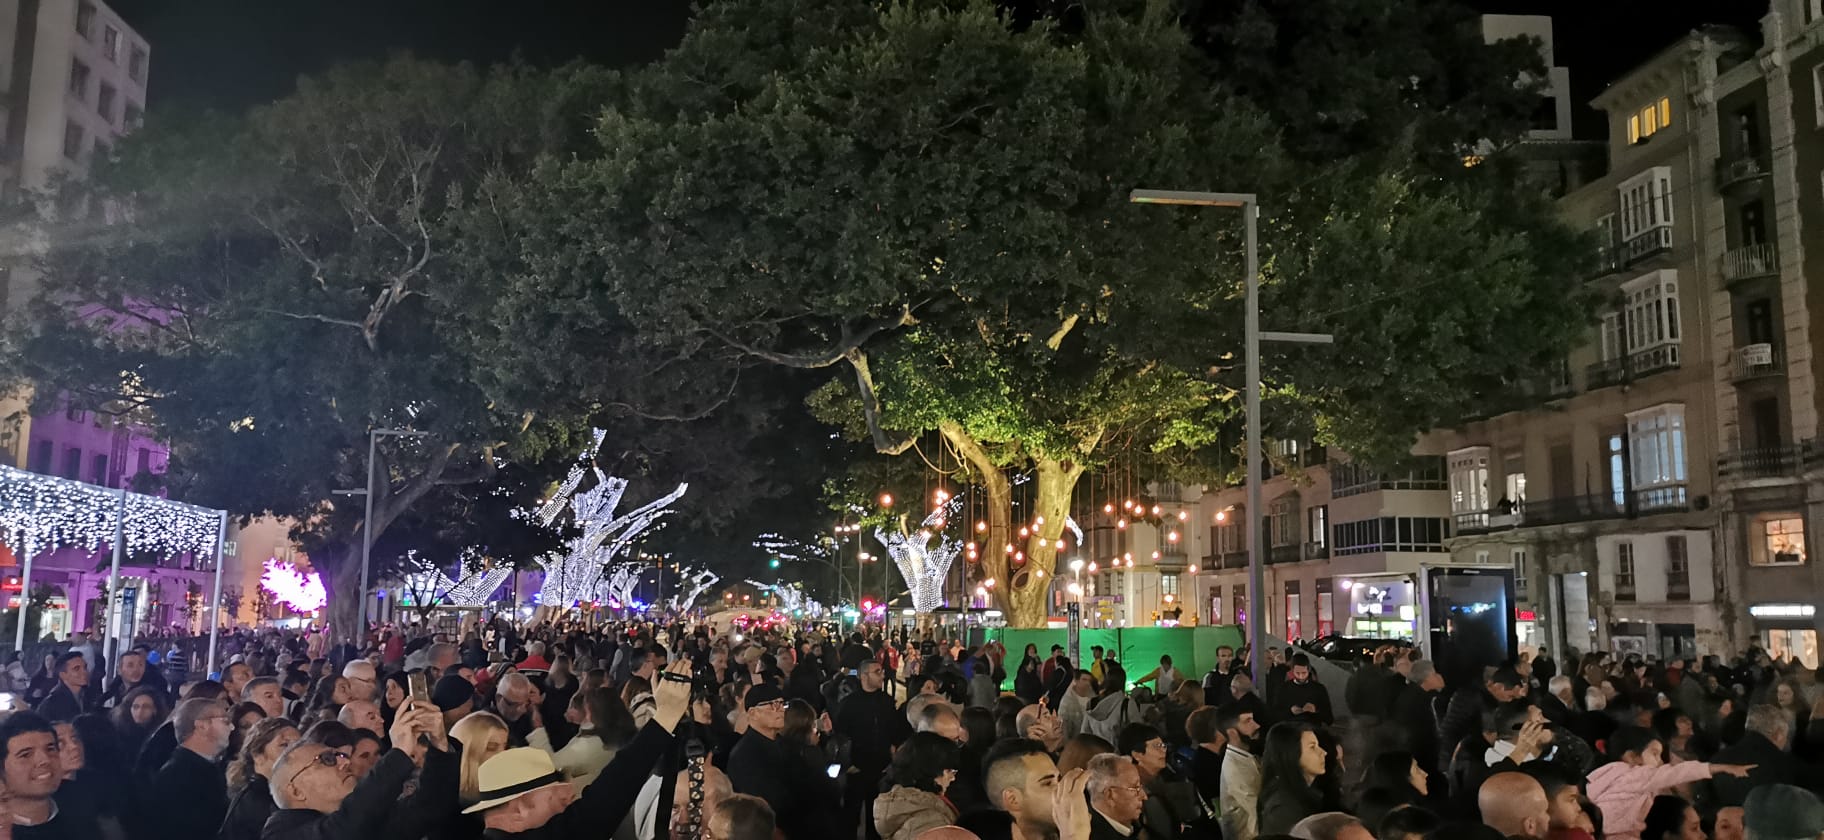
774 563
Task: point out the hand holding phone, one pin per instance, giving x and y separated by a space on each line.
418 687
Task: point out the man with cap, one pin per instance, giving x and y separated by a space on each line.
455 697
524 795
760 766
1463 718
1782 812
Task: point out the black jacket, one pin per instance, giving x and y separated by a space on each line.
157 750
372 811
764 767
196 786
247 811
1101 829
608 799
1296 694
1462 717
61 705
1282 806
872 725
1774 766
1416 713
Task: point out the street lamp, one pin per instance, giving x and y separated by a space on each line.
367 520
1250 212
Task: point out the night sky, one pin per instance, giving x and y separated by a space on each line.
234 53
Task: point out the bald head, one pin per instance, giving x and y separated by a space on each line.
1515 805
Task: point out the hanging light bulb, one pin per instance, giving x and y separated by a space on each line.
1060 545
1184 516
1127 504
980 527
886 500
1041 520
1092 567
1155 555
1193 570
1108 508
1121 524
1155 510
970 546
1171 537
1010 548
1038 573
1130 563
1222 515
1025 531
1129 557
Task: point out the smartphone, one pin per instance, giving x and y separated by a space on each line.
421 693
833 770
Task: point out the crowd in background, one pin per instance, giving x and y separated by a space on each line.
639 731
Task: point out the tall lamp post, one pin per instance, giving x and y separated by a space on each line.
367 518
1250 211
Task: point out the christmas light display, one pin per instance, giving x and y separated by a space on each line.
429 585
575 575
924 556
301 591
41 513
692 584
617 589
792 598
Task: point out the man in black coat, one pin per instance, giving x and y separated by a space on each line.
872 725
1416 711
1767 745
1463 717
761 766
319 798
191 776
1303 698
546 807
65 701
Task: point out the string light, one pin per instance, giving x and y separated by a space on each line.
41 513
925 565
575 575
1184 516
696 582
980 527
1120 524
1108 508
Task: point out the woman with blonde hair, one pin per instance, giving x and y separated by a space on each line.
483 735
248 786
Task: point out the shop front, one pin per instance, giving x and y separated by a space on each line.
1788 631
1381 608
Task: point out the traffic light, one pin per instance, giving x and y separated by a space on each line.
773 563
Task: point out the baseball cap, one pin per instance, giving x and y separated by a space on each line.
763 694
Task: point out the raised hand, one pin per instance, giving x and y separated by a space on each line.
1739 771
1070 806
404 732
671 695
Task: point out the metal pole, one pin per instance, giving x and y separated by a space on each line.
215 603
1256 620
367 540
113 611
25 600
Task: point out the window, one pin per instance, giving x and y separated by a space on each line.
104 102
1618 474
1652 311
1614 343
1793 645
110 43
1678 568
1482 558
1241 603
79 79
1777 539
1469 480
85 19
72 141
143 461
1624 571
1650 120
100 469
1746 132
72 412
136 64
1392 533
1293 628
133 117
1168 585
1519 557
41 458
1646 203
72 463
1514 487
1228 534
1817 94
1282 521
1658 438
1319 520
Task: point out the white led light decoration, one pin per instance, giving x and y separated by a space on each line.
691 586
42 513
792 598
924 556
576 574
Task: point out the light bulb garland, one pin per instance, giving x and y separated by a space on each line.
925 565
42 513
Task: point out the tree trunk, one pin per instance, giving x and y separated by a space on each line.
995 546
339 568
1027 592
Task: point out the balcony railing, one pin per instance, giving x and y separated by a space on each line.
1316 551
1782 461
1624 588
1482 522
1735 170
1750 261
1231 560
1644 362
1647 243
1678 588
1570 509
1285 554
1753 361
1669 497
1608 258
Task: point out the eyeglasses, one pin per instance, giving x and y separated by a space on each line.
327 758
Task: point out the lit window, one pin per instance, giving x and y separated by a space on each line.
1519 558
1469 480
1657 436
1652 313
1777 539
1650 119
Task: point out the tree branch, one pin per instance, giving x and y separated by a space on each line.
341 322
870 407
1057 338
683 418
852 340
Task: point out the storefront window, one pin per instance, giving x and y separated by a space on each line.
1798 645
1292 610
1777 539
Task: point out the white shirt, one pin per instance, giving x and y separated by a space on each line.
1123 830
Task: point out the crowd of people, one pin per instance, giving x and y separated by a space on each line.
641 731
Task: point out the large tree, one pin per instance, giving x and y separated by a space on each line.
933 201
265 289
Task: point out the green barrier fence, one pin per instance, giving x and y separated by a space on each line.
1192 649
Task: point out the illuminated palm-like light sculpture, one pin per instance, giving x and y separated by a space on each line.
792 598
575 575
617 589
924 556
692 584
429 585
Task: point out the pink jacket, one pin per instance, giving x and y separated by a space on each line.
1625 791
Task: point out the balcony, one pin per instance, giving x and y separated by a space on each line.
1749 262
1570 509
1754 361
1316 551
1624 589
1285 554
1731 171
1784 461
1230 560
1643 362
1483 522
1647 243
1678 587
1670 497
1608 259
